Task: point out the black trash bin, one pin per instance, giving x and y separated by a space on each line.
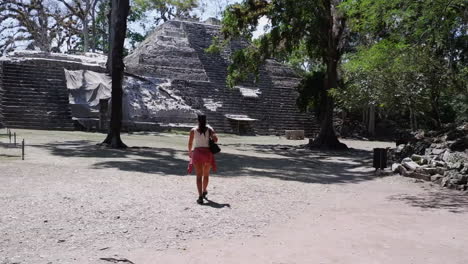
380 158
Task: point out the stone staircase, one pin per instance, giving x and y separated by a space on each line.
275 107
34 97
171 56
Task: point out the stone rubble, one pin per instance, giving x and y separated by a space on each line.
439 157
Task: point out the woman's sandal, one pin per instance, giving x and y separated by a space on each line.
200 200
205 193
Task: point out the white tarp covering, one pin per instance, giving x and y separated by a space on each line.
249 92
142 100
240 117
211 104
88 87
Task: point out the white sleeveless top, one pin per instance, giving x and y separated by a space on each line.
201 140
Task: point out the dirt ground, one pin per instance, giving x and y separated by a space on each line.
71 201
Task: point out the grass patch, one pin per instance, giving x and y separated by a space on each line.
9 157
186 133
179 132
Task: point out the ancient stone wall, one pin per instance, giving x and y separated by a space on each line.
175 65
69 65
38 97
35 97
34 92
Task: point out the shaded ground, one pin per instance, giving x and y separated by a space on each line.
71 201
272 161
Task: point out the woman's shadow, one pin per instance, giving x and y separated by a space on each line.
215 204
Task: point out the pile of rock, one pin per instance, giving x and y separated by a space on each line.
440 157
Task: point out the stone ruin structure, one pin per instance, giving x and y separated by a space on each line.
437 156
169 79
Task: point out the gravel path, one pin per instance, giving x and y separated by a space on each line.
271 202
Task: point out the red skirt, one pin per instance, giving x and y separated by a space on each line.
201 156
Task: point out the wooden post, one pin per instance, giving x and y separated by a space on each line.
22 150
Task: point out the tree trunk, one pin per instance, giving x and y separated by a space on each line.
411 119
364 117
415 118
119 13
327 138
93 22
42 39
85 34
109 57
436 113
371 127
435 95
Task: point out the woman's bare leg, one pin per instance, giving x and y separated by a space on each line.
206 175
199 172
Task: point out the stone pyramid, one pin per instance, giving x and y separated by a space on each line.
175 51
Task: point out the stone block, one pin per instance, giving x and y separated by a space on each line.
403 171
419 175
294 134
416 158
437 163
436 178
431 171
454 181
455 166
400 147
396 167
438 151
460 144
406 160
440 170
444 182
446 156
463 179
465 169
453 157
410 165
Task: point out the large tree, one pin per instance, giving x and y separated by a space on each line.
83 10
48 25
37 24
213 8
118 29
167 9
412 56
317 25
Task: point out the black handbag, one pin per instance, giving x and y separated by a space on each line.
214 148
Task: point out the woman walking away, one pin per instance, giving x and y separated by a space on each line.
201 157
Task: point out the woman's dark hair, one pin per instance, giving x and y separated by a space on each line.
202 124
